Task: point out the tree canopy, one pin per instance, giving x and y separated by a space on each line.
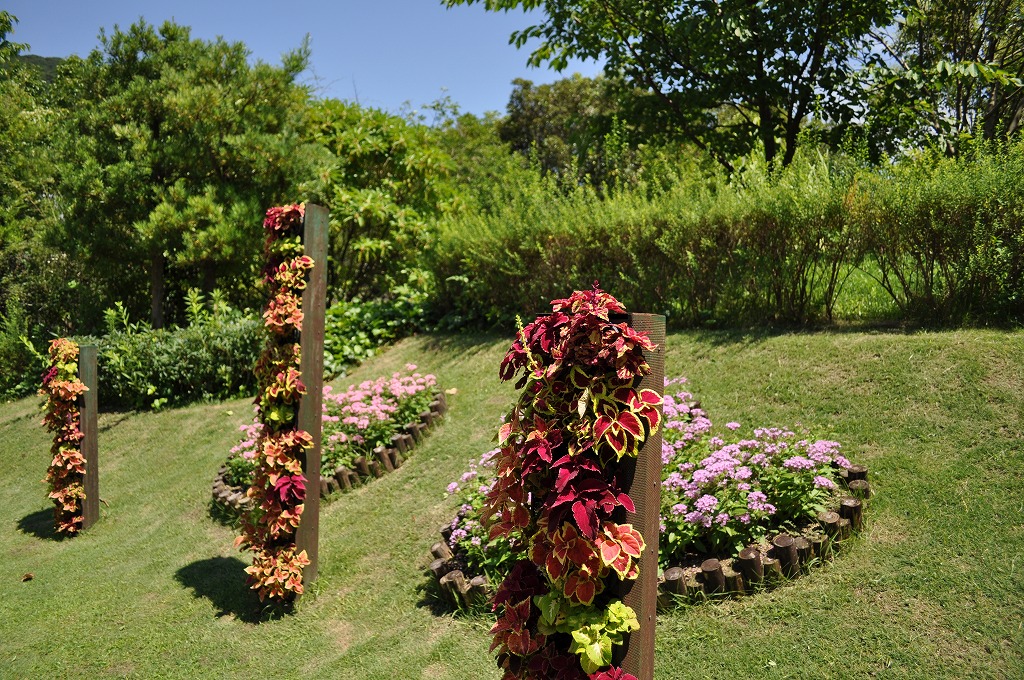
728 74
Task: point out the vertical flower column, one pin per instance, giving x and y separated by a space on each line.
565 462
62 388
288 447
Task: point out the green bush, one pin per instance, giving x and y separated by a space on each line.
947 234
355 329
212 358
706 250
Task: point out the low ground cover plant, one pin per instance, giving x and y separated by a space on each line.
355 421
721 491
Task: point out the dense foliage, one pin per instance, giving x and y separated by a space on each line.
61 387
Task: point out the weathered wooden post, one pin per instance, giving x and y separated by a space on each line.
314 302
642 480
87 405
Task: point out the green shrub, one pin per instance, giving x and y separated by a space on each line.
947 234
212 358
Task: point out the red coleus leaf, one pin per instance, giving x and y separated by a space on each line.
612 674
581 586
620 545
290 489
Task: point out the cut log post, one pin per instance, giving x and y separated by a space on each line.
830 523
439 567
818 545
427 419
675 581
785 553
398 443
435 408
88 404
396 458
409 440
354 479
455 588
844 529
375 469
749 562
332 485
733 578
772 571
324 489
479 591
362 466
851 509
341 474
693 585
384 459
446 532
714 579
441 550
857 472
803 550
844 476
860 488
413 431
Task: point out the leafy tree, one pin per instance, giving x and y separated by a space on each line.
948 70
383 180
172 149
728 74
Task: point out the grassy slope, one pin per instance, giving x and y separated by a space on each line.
932 591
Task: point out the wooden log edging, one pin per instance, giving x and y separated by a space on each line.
783 557
342 479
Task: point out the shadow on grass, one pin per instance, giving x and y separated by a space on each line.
221 580
40 525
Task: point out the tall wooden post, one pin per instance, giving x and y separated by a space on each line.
314 302
87 405
642 480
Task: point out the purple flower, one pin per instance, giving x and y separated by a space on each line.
453 488
706 503
679 509
823 482
733 425
798 463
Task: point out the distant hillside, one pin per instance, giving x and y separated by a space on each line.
47 66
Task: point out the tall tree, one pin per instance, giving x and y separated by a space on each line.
729 73
949 70
383 179
173 147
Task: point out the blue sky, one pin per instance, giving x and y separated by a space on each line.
382 53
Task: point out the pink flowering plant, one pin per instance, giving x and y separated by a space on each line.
355 422
367 415
722 492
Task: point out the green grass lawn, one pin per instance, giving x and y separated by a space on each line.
932 589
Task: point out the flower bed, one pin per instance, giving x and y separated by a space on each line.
737 512
61 387
367 430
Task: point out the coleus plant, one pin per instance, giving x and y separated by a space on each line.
557 485
278 490
61 387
